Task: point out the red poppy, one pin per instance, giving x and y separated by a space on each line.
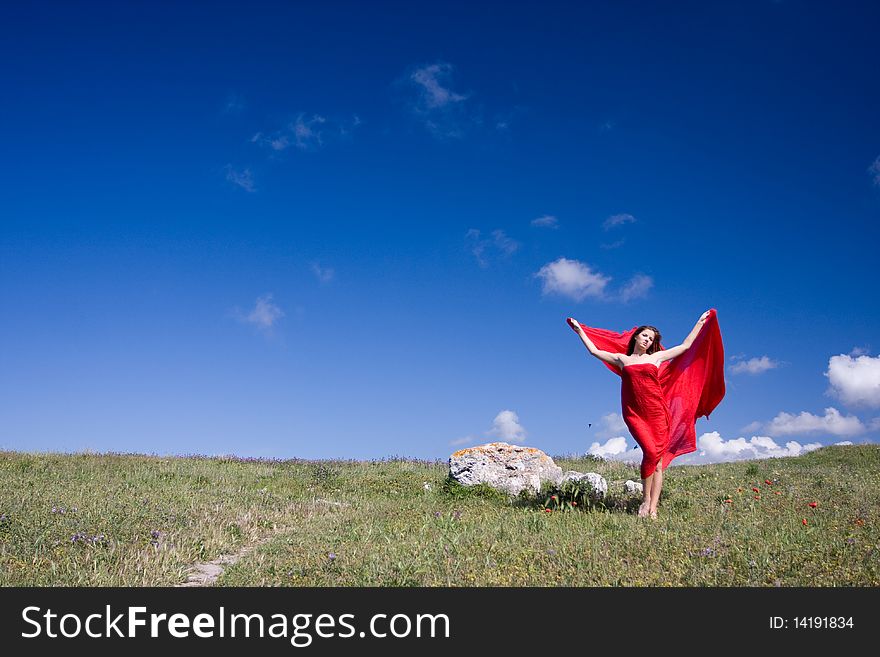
755 489
729 501
757 497
804 521
548 510
574 503
768 482
778 492
813 505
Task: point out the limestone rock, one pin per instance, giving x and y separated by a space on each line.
631 486
597 483
510 468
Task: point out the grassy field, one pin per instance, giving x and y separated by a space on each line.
129 520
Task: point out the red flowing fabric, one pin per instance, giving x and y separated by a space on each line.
692 386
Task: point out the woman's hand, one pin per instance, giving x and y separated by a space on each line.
573 323
704 317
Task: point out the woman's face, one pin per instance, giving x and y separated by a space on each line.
645 339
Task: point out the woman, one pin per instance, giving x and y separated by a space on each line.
663 391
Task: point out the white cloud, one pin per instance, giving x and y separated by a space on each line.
436 104
613 245
307 132
504 243
855 381
506 426
874 170
844 442
243 179
832 423
264 314
859 351
481 248
546 221
612 425
612 448
754 365
324 274
638 287
874 425
752 427
618 220
712 448
572 279
430 79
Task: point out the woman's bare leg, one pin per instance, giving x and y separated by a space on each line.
647 495
657 485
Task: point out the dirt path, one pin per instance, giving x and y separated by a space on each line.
206 574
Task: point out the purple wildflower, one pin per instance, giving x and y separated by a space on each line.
331 556
456 515
437 514
708 552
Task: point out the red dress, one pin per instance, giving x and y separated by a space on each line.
645 412
661 405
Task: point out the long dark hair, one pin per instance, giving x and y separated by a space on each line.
655 346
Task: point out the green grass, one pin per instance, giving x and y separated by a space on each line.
144 520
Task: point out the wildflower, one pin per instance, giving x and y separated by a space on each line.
155 533
778 492
757 497
813 505
456 515
574 503
551 552
548 510
708 552
553 497
331 556
728 501
804 521
755 489
437 514
860 521
768 482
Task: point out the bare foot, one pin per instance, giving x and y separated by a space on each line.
654 514
643 510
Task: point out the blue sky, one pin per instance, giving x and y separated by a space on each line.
333 230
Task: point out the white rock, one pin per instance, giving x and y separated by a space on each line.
510 468
631 486
597 483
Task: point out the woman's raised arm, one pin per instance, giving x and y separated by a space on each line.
602 355
669 354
